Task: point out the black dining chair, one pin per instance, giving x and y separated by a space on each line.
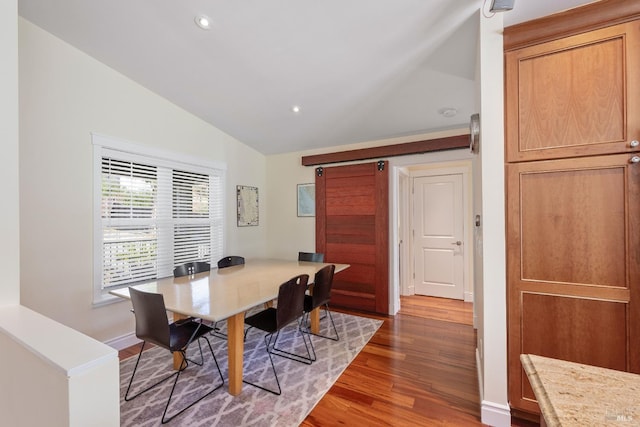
311 256
152 325
230 261
190 268
320 297
272 320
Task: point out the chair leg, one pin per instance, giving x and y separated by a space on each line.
273 367
311 355
126 395
216 332
166 419
307 329
337 338
201 356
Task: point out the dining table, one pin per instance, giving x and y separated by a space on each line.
227 294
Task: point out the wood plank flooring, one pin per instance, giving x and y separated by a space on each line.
419 369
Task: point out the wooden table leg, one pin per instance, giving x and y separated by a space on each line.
314 316
235 348
177 356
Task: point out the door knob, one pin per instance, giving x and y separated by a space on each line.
634 143
458 243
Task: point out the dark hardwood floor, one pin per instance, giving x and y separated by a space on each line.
419 369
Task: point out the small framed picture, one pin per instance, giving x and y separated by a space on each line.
306 200
247 205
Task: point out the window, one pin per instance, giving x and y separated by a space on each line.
153 212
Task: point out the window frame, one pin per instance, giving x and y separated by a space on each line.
106 146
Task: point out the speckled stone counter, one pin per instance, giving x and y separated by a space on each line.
572 394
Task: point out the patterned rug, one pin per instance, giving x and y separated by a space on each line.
302 385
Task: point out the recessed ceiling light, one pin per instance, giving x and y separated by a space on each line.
295 109
203 22
448 112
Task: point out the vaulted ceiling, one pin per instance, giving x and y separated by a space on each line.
359 70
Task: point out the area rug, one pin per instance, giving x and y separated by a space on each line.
302 385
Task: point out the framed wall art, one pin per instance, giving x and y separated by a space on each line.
306 200
247 205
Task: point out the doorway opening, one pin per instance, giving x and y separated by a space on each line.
435 230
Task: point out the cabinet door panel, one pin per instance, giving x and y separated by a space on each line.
568 97
573 255
573 226
569 222
568 328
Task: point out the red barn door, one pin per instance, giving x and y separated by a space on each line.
352 227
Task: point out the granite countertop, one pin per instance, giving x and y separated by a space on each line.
573 394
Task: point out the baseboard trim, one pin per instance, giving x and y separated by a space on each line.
123 341
468 296
495 414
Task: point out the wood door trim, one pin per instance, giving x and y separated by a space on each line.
592 16
408 148
382 238
321 211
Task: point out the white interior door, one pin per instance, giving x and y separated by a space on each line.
438 220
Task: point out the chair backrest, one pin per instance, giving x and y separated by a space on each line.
310 256
229 261
152 324
322 286
191 268
291 300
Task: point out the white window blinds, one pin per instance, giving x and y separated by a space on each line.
129 214
155 214
191 207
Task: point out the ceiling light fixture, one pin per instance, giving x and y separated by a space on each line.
295 109
203 22
447 112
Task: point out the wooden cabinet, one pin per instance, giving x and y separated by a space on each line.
573 235
572 114
576 96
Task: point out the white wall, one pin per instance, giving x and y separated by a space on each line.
9 215
492 335
64 96
61 395
288 234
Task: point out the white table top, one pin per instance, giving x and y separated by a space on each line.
221 293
